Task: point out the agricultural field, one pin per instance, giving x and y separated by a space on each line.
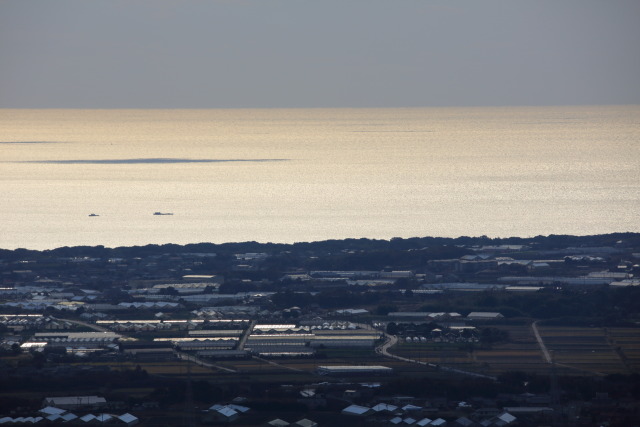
306 367
521 353
174 368
585 349
436 353
576 351
626 342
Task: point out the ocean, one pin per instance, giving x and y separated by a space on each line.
291 175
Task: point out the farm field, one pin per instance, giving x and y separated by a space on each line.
628 341
175 368
582 348
521 353
576 350
343 356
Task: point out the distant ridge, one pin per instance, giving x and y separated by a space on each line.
553 241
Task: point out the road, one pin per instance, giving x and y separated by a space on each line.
543 348
549 359
391 340
245 335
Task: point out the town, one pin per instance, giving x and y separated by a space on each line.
458 332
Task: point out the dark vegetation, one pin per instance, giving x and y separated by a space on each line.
428 247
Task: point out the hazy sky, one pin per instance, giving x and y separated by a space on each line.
320 53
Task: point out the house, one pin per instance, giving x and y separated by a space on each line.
352 311
75 402
128 419
20 420
226 414
50 410
104 418
486 412
277 423
68 417
502 420
357 410
305 422
354 370
384 407
482 315
527 410
238 408
464 422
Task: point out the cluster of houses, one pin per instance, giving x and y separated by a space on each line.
225 413
20 322
230 412
79 343
412 415
148 325
59 410
447 317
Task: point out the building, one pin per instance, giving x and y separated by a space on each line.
354 370
75 402
357 410
483 315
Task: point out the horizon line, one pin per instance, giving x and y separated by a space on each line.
333 108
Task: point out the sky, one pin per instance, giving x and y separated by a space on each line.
321 53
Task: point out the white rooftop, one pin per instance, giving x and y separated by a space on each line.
50 410
356 410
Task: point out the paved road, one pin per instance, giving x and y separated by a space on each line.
391 340
547 354
543 348
245 335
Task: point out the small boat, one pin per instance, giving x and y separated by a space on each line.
163 213
93 214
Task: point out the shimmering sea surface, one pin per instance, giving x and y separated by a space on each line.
276 175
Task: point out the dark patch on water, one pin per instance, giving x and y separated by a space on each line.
29 142
147 161
392 131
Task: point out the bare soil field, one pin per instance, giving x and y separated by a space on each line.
583 348
576 351
626 342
